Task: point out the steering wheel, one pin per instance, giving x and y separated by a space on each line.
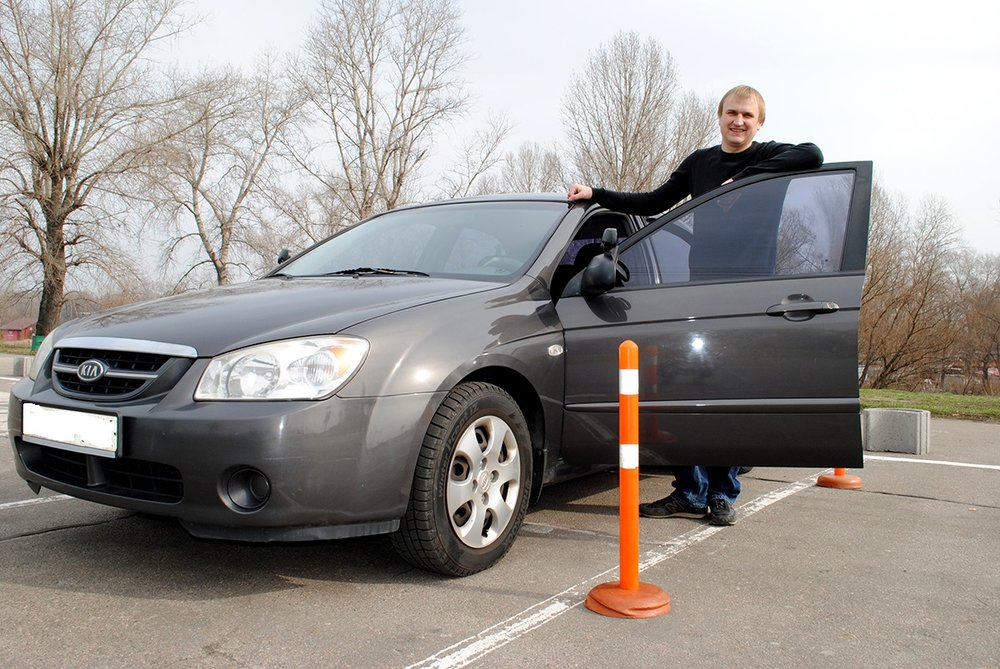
500 263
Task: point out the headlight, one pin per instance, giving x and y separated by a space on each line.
41 356
296 369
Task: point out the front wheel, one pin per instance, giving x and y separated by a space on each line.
470 488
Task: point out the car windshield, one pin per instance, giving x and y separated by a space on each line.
487 240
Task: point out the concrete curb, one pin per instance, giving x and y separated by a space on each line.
15 365
896 430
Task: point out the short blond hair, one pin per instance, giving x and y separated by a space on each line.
743 92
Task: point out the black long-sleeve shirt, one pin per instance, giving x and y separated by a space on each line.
706 169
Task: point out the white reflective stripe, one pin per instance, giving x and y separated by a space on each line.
628 381
628 456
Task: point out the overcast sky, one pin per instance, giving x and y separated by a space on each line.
913 86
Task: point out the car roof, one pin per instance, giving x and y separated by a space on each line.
502 197
509 197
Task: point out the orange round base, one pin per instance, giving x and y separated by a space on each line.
610 599
843 481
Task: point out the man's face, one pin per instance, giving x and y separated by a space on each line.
739 123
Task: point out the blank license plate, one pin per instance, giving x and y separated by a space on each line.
71 430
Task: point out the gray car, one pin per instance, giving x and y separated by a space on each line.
428 371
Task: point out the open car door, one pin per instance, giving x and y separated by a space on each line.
744 304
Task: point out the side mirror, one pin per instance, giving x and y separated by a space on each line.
598 277
283 256
601 273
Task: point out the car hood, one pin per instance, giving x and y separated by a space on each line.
221 319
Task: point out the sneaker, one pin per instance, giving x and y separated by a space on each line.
722 512
671 507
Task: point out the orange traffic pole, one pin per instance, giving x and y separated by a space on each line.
839 479
628 464
628 597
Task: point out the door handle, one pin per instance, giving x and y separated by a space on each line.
801 308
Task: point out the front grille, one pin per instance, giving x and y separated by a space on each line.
123 477
127 374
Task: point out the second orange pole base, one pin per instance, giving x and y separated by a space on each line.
610 599
839 479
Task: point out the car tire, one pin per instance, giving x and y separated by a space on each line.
744 470
471 485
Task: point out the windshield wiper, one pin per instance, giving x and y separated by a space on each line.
380 271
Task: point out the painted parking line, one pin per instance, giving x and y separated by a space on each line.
493 638
32 502
476 647
947 463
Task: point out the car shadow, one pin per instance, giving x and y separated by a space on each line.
149 557
146 557
595 494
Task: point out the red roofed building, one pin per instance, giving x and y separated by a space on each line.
19 328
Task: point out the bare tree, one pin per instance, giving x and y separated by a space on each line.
906 310
211 173
383 76
311 210
531 169
477 156
694 125
884 279
977 325
80 106
628 122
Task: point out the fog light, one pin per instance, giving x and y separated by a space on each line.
248 489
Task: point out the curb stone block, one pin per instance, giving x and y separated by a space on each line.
896 430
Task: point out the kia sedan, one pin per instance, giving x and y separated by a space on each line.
428 371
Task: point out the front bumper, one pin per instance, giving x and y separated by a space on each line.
334 468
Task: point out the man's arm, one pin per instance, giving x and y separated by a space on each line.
675 189
778 157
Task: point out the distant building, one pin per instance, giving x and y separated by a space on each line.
19 328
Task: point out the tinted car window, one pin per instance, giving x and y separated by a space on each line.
489 240
783 226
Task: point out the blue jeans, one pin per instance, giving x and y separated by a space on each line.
696 485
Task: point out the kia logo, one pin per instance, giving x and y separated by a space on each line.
92 370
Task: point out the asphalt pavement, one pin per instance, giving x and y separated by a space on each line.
902 573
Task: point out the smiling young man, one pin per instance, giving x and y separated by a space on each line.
741 114
710 491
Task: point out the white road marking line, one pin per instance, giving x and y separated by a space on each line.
947 463
31 502
493 638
